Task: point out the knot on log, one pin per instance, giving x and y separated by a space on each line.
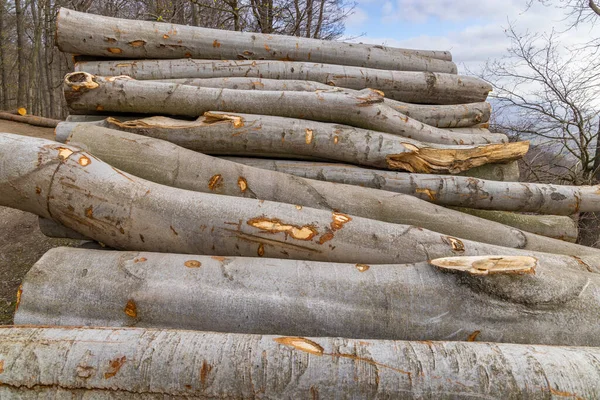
81 81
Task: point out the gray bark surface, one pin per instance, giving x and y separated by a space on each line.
97 35
75 287
410 87
440 116
364 109
265 136
157 364
177 167
554 226
457 191
122 211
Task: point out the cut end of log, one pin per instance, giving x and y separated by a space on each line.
488 265
454 160
22 111
81 80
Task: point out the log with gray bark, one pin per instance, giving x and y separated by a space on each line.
97 35
261 296
440 116
167 164
364 109
156 364
554 226
265 136
446 190
83 193
410 87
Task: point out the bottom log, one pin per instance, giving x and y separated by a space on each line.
40 362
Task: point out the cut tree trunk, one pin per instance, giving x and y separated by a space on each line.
154 364
554 226
266 136
85 194
470 130
97 35
455 191
359 301
364 109
444 116
30 119
185 169
410 87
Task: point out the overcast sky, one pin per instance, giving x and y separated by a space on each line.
473 30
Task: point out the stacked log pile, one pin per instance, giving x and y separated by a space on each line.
290 218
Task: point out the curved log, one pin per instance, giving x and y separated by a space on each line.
446 190
97 35
553 226
364 109
262 296
154 364
410 87
258 135
122 211
177 167
440 116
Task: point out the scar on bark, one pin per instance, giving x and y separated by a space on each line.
275 225
488 265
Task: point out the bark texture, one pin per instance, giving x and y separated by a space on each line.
554 226
97 35
265 136
457 191
364 109
153 364
122 211
531 303
441 116
410 87
164 163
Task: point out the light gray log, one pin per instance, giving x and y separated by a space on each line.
553 226
75 287
125 212
258 135
364 109
410 87
470 130
53 229
97 35
157 364
444 116
167 164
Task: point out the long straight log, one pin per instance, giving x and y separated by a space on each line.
249 295
97 35
258 135
30 119
157 364
364 109
455 191
553 226
470 130
440 116
81 192
410 87
177 167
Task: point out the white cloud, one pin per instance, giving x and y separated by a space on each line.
357 18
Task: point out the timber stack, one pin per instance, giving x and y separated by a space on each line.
286 218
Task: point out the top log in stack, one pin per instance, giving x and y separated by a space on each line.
326 219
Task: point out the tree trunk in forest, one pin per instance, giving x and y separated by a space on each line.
154 364
81 192
410 87
30 119
266 136
145 39
364 109
3 78
178 167
260 297
455 191
442 116
22 85
553 226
